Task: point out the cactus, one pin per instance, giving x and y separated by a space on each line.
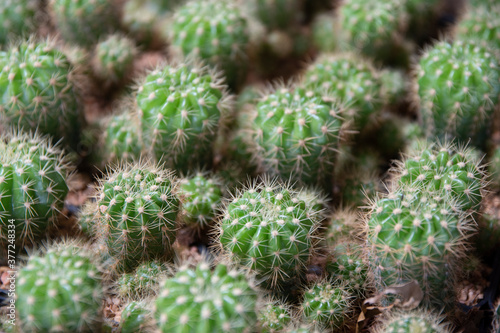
278 14
18 18
343 223
326 304
268 228
200 300
180 109
84 22
60 291
201 197
38 91
216 32
137 214
113 59
413 321
296 134
481 23
457 88
350 80
136 317
144 282
33 175
274 316
325 30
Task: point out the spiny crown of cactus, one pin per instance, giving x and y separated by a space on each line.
412 321
137 212
180 109
17 17
38 92
326 303
270 229
296 133
216 32
143 282
481 23
113 58
274 316
352 81
457 88
33 175
201 197
83 22
60 290
205 300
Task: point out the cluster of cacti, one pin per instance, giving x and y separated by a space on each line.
33 174
60 290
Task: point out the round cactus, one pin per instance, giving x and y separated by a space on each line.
17 18
83 22
180 109
113 59
200 300
350 80
274 316
296 134
137 214
60 291
144 282
457 87
270 229
481 23
136 317
38 92
201 198
216 32
33 175
413 321
326 304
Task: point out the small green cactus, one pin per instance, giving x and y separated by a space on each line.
412 322
137 212
144 282
113 59
18 18
33 175
60 290
136 317
270 228
84 22
274 316
38 91
181 108
203 301
216 32
481 23
457 88
201 197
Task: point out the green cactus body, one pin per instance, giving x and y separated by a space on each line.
33 187
143 282
203 301
325 33
274 316
59 292
180 108
113 59
278 14
201 199
136 317
270 230
83 22
296 135
352 81
343 223
482 24
375 29
458 87
216 32
137 214
413 322
326 304
17 18
38 93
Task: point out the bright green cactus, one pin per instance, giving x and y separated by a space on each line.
60 291
84 22
113 59
274 316
38 91
216 32
201 197
137 214
326 303
412 322
33 175
457 87
136 317
269 228
180 109
203 301
278 14
481 23
350 80
296 134
18 18
143 282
